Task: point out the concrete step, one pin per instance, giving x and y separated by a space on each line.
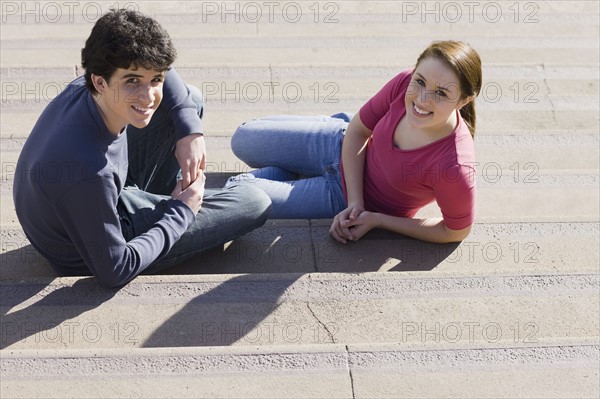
512 172
221 120
534 97
413 308
316 371
302 246
350 26
365 41
508 94
192 55
512 71
257 19
499 203
85 13
224 122
284 311
306 95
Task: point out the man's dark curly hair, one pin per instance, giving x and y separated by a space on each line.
122 39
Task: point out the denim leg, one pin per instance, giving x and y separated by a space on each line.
299 163
273 173
299 144
319 197
226 215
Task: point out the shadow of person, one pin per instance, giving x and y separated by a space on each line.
378 251
233 311
244 308
21 261
46 318
301 246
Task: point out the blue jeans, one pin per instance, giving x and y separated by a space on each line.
299 163
226 214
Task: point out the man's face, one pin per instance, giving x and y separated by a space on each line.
131 97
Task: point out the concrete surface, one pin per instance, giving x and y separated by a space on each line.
298 309
284 311
332 371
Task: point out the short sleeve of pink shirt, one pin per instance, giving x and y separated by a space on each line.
400 182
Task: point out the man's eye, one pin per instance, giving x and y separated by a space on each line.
157 80
132 80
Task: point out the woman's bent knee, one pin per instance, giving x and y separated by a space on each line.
244 139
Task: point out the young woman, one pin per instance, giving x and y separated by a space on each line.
410 144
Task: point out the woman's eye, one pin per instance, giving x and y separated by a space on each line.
421 82
441 93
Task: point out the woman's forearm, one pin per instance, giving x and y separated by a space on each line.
353 158
431 229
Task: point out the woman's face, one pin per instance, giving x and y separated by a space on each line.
433 96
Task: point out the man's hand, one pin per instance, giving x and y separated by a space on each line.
190 152
192 195
338 230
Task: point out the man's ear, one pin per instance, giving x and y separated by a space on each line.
99 83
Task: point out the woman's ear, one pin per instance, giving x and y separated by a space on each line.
98 82
464 101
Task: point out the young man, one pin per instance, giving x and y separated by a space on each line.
96 186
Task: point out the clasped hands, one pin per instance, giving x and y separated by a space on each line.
352 223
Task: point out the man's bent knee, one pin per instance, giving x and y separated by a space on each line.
257 203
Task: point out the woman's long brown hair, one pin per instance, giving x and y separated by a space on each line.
466 64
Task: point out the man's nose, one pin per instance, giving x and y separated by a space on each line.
147 93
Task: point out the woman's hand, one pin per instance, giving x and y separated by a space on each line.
339 229
361 225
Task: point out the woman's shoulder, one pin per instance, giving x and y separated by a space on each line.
402 79
405 74
456 152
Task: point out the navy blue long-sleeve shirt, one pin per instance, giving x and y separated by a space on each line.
68 180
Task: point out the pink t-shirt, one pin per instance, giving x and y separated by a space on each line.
400 182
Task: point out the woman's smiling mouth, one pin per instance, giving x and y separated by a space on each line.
420 111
